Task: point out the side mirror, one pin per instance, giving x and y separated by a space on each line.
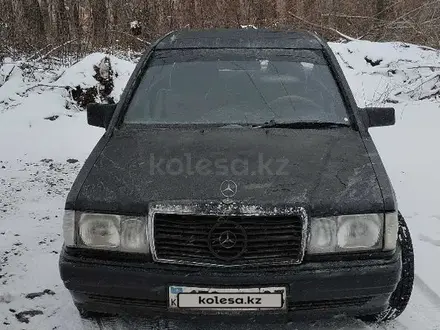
376 117
100 114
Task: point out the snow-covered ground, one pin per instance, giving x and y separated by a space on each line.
44 139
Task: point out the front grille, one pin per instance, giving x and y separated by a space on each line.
228 241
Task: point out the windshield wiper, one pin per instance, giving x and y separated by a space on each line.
302 124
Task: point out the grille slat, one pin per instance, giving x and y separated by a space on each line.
174 245
273 230
228 241
265 238
273 234
253 247
254 239
165 224
273 244
173 226
189 232
254 260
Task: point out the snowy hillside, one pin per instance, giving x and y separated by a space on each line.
44 139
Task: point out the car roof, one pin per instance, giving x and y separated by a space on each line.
239 38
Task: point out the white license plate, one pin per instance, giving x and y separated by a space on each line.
269 298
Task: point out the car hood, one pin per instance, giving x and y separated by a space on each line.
327 171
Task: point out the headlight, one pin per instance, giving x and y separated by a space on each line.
133 235
347 233
322 235
105 231
99 230
360 232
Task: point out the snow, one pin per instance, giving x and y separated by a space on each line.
405 72
134 24
249 26
82 73
39 159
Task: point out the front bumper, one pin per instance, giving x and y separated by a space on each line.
314 289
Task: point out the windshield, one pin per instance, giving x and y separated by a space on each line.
236 87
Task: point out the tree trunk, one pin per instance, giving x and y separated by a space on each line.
281 10
8 31
61 22
331 13
189 13
380 16
29 24
74 20
44 9
99 22
32 20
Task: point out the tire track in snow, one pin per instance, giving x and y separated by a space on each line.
104 323
430 294
90 324
423 311
392 325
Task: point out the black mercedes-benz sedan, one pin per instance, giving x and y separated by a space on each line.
237 177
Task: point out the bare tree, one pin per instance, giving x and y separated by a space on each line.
73 18
281 9
61 22
99 22
44 10
380 16
26 25
33 19
8 27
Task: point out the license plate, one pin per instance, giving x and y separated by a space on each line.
269 298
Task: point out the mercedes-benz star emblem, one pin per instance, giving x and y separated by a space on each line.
228 188
227 240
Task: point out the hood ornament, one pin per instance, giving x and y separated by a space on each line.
228 189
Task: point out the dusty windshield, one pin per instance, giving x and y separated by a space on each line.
233 87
